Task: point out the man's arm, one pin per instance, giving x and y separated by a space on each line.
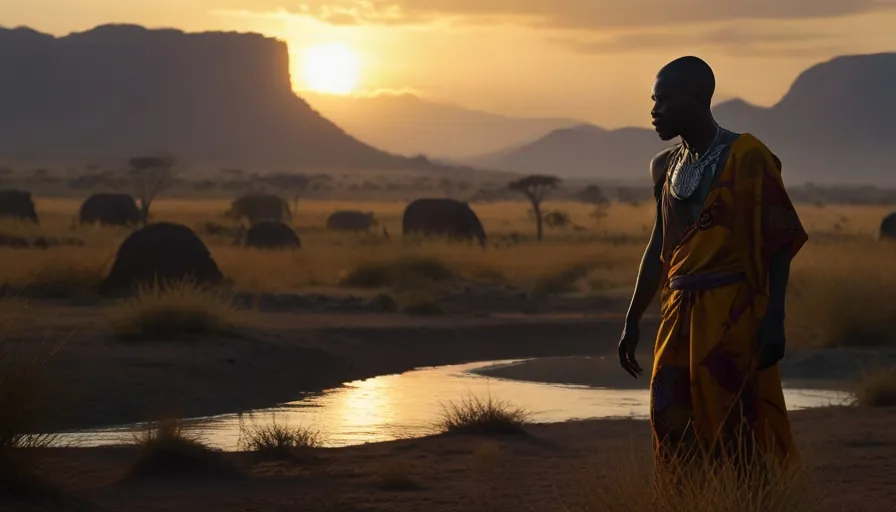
650 272
778 276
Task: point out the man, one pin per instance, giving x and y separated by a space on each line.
720 253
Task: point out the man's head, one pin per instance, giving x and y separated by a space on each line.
682 94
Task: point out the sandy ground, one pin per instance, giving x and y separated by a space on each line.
852 452
102 381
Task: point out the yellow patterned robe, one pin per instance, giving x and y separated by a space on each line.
706 390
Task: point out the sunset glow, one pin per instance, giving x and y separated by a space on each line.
331 68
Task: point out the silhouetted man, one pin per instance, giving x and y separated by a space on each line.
720 254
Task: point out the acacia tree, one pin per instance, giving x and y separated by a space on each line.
295 185
150 175
536 187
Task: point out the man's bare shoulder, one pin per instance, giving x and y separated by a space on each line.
659 163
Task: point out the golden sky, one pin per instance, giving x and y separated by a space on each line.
589 59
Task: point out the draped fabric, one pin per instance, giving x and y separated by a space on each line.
707 393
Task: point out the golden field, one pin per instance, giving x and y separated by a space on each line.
843 288
843 292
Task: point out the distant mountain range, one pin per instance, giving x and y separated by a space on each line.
834 125
226 99
213 98
410 125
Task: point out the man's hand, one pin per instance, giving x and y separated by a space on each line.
772 340
627 346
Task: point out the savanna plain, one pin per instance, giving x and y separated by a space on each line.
353 306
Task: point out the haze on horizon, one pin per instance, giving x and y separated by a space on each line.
585 59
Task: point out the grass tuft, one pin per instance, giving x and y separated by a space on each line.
176 310
278 440
490 416
23 391
168 450
877 388
699 485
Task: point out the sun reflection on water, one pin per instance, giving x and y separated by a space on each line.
408 405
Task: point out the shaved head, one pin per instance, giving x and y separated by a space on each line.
682 94
692 74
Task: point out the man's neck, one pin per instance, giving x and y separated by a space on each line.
701 135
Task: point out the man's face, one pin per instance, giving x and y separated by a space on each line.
672 108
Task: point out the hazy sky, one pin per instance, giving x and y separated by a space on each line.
591 59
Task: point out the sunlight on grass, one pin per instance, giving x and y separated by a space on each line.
474 415
277 440
842 291
175 310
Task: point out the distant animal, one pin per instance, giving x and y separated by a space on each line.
258 207
110 210
442 217
158 253
271 234
17 204
888 227
350 220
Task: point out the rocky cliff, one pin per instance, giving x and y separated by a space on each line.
211 98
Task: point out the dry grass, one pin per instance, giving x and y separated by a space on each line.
489 416
278 440
169 450
389 274
843 289
176 310
698 485
24 387
877 388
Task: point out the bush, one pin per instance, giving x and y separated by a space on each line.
877 388
168 450
474 415
277 440
175 310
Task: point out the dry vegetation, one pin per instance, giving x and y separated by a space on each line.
278 440
175 310
877 388
475 415
843 290
169 450
23 410
707 485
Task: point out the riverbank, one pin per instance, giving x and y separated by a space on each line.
852 453
96 380
833 368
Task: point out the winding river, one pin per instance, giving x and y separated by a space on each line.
407 405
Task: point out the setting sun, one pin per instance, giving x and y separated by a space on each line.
331 68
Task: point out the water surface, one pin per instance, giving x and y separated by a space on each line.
407 405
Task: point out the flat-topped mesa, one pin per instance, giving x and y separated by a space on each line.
218 98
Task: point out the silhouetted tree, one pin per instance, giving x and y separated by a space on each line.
536 187
294 185
150 175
